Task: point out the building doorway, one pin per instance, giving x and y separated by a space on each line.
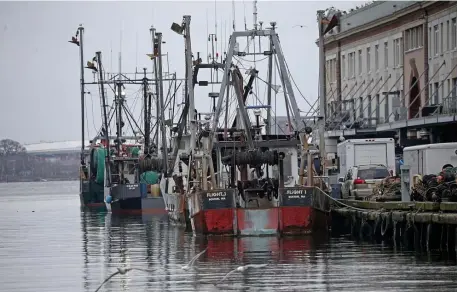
414 98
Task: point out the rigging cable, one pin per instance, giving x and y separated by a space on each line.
292 78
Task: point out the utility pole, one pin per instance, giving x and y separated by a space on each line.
322 97
81 53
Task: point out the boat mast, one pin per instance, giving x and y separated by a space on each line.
161 104
81 53
147 104
322 98
190 88
157 85
105 118
119 107
270 80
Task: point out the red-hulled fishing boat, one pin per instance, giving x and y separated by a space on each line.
256 189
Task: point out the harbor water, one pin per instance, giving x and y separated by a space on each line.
48 244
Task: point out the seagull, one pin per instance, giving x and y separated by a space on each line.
242 269
121 271
192 261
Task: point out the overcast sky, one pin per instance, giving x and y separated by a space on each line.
39 69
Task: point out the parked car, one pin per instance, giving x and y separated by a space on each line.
360 180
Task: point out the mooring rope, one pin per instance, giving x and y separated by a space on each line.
341 203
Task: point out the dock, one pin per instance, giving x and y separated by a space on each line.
419 225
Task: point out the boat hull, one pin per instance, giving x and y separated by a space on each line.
91 195
299 211
177 211
133 199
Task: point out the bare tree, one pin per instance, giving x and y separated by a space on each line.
10 147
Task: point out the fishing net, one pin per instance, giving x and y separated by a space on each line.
135 151
99 156
149 177
388 190
435 188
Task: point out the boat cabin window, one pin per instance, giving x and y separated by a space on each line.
287 163
124 171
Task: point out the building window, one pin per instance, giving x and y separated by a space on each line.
454 33
398 53
331 71
386 55
454 87
368 60
442 38
361 107
448 30
360 62
351 65
343 66
430 41
430 94
436 37
436 93
376 57
377 108
420 36
413 38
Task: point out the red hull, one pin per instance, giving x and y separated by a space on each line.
301 211
272 221
216 221
95 205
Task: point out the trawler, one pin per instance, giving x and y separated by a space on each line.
238 180
127 169
91 191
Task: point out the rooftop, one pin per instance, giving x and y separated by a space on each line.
368 13
62 146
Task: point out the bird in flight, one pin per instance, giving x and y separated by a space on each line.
192 261
242 269
120 271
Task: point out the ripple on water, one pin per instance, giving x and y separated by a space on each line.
57 247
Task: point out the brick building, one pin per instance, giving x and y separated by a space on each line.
391 71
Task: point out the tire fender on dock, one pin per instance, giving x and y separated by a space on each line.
386 222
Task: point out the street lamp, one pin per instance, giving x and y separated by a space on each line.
177 28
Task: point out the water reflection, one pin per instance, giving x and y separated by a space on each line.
295 263
58 248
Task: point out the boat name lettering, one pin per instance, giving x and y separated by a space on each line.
297 197
294 192
218 194
132 187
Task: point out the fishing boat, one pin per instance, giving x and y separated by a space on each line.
173 183
241 181
130 166
91 192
